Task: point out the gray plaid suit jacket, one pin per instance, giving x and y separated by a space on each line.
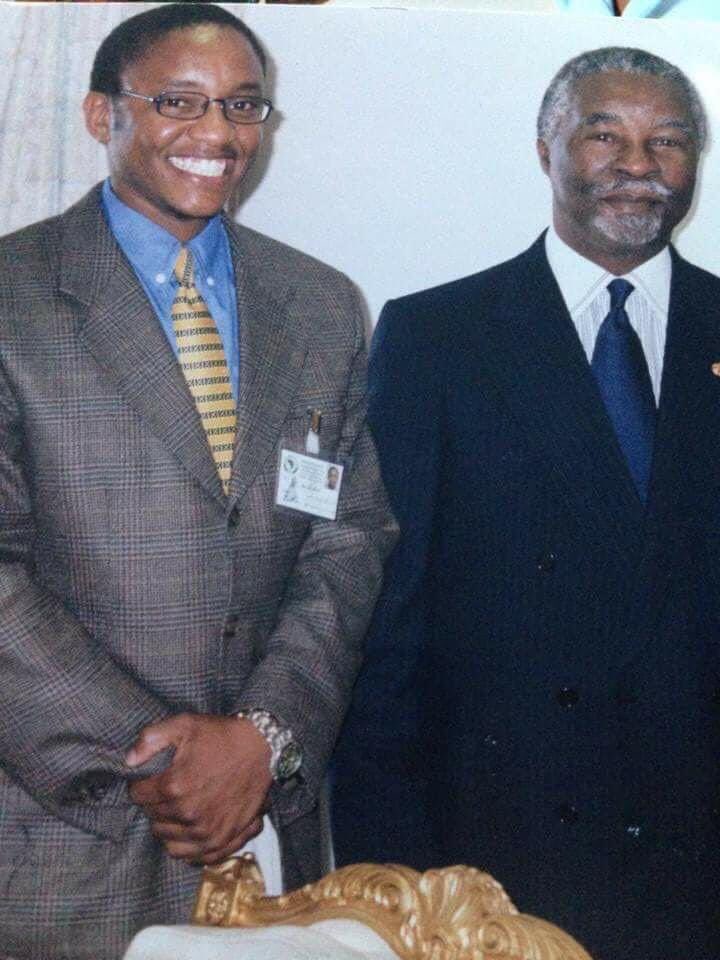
131 588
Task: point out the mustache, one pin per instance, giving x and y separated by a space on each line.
631 188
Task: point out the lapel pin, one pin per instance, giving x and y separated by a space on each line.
715 367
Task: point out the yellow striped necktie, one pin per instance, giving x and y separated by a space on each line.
203 361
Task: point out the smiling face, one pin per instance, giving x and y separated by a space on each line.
179 173
622 164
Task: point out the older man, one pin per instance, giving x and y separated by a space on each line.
541 695
167 622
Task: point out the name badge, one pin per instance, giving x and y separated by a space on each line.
308 484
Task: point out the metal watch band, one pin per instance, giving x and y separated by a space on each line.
285 753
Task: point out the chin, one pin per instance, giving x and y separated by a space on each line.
630 230
199 210
203 212
199 201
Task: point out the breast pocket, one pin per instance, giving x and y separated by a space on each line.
294 432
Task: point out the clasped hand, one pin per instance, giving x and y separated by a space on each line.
210 801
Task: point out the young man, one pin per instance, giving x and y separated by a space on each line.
177 647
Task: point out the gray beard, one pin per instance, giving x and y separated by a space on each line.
630 229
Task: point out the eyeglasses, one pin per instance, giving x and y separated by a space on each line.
190 106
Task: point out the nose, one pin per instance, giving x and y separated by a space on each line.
213 125
637 159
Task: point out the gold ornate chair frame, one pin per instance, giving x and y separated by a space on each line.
457 913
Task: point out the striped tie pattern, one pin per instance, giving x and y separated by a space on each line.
203 361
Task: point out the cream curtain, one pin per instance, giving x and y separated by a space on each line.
47 160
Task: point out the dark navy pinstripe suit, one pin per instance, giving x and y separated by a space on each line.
538 696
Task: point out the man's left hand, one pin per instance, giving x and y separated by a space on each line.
210 801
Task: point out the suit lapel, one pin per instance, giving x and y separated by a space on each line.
121 330
687 429
684 484
536 359
272 354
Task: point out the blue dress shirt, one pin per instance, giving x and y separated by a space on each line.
152 253
681 9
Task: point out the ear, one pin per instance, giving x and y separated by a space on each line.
96 107
544 154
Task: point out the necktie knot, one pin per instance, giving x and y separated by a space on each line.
184 268
619 291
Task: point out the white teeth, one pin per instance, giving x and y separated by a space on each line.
199 166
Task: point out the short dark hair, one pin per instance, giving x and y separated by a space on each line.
132 38
556 101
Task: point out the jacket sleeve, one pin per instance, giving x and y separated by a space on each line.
311 659
380 809
67 711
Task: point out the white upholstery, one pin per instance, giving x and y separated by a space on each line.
325 940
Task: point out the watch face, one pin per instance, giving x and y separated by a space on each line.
289 761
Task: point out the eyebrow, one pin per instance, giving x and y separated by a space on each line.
599 117
676 124
592 118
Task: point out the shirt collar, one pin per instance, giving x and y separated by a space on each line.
149 247
580 280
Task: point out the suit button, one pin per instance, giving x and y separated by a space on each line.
230 624
233 517
715 697
567 813
89 788
567 697
546 562
77 794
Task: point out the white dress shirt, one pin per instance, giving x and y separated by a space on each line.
266 848
583 285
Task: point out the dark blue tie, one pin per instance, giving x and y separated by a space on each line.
622 376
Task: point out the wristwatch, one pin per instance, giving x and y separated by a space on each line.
285 752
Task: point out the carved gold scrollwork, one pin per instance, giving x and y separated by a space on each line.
457 913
